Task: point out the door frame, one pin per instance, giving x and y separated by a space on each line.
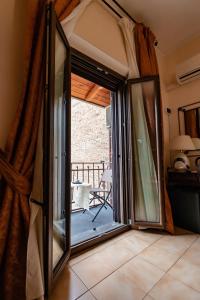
88 68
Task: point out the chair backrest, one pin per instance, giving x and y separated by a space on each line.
107 176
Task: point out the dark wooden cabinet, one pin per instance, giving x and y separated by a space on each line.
184 193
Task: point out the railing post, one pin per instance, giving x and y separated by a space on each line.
103 166
88 173
76 172
98 175
93 176
83 171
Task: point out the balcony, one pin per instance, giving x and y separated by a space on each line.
82 225
90 173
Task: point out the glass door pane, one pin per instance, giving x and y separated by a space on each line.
59 228
146 129
95 209
57 170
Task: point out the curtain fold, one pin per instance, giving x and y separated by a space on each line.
34 268
17 163
147 62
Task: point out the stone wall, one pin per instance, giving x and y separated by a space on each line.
90 136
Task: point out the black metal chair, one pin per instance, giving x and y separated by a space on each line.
97 192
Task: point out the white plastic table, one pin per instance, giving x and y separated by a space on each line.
81 194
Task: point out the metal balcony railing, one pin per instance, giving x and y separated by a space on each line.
88 172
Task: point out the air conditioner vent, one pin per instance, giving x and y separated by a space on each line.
188 70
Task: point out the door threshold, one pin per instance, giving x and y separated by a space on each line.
98 239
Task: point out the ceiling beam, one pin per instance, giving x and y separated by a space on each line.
92 92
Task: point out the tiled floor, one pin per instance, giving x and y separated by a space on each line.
135 265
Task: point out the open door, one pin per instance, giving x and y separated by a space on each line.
147 152
56 154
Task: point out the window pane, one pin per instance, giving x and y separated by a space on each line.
59 230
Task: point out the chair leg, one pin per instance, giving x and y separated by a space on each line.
96 196
98 212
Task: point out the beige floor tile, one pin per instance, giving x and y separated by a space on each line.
159 257
68 286
193 253
148 236
137 244
170 289
87 296
186 272
78 258
177 244
93 269
124 249
142 273
117 286
148 297
123 235
118 254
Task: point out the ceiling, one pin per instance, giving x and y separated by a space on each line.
86 90
173 21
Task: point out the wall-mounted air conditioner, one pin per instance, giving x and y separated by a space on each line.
188 70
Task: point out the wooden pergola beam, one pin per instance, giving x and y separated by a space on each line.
93 92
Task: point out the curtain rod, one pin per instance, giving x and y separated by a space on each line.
122 9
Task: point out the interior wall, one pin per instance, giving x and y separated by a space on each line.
104 34
12 33
176 95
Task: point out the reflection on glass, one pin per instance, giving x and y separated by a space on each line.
146 154
59 231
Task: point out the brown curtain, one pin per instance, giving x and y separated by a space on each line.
17 162
147 62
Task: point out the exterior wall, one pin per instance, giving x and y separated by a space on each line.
90 137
